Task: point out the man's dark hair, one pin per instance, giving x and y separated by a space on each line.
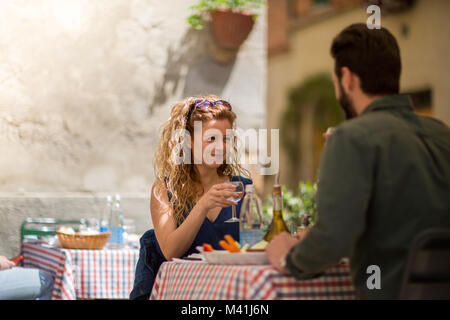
373 55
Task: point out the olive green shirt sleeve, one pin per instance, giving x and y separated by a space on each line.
343 195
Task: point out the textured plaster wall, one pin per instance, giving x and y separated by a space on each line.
84 87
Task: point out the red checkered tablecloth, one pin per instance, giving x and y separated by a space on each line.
84 274
196 280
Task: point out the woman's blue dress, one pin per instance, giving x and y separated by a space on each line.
151 257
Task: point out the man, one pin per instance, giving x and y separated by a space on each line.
384 174
23 283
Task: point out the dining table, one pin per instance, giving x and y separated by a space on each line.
199 280
84 274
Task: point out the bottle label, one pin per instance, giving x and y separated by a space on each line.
252 237
116 235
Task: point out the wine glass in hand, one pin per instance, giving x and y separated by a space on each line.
239 192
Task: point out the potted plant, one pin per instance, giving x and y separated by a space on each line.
231 20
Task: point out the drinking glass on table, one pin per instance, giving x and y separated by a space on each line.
90 225
129 233
239 193
129 226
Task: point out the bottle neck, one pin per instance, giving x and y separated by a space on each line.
277 203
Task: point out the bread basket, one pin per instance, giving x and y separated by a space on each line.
83 241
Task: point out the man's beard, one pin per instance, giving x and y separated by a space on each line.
346 104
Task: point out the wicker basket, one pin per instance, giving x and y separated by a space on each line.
82 241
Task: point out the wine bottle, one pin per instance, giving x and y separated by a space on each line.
277 225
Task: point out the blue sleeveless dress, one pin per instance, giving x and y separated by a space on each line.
151 256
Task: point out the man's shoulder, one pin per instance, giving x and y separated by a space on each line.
434 124
370 122
359 127
378 122
369 129
379 127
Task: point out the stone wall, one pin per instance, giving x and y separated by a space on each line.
84 87
16 208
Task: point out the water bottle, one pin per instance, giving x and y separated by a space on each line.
105 215
250 221
115 225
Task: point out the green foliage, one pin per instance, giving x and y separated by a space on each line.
203 7
296 206
307 194
316 92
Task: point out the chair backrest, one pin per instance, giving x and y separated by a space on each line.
427 272
42 227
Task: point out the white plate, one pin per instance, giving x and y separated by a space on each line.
235 258
187 261
196 256
191 258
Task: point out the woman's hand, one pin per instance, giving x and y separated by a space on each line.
5 263
175 240
217 196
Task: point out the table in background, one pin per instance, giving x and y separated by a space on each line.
198 280
84 274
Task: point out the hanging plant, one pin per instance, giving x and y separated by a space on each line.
231 20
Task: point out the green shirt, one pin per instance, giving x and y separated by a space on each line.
384 177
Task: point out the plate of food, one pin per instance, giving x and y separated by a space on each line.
233 254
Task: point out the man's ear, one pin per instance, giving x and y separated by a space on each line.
350 80
347 79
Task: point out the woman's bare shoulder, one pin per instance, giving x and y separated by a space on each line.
158 194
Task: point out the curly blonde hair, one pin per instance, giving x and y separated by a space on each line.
179 180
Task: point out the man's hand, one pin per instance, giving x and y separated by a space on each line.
279 247
5 263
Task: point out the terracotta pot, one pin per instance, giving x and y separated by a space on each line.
231 29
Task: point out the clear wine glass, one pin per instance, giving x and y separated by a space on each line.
239 192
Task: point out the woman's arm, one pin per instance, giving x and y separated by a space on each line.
173 241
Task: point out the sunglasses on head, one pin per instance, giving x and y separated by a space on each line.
207 104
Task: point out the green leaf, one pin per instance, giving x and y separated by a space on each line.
195 21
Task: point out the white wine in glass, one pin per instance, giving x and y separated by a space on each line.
238 194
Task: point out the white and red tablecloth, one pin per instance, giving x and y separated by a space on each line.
197 280
84 274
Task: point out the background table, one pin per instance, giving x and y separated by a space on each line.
84 274
197 280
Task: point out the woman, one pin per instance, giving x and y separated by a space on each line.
189 199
